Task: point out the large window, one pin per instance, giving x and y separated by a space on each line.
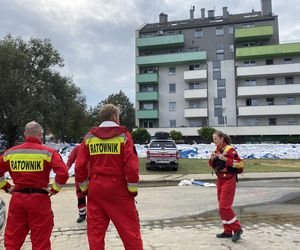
148 124
194 85
252 122
194 67
172 106
250 82
251 102
194 105
172 88
148 106
290 100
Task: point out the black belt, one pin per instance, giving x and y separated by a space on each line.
31 191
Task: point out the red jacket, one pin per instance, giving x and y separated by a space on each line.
29 165
72 157
110 151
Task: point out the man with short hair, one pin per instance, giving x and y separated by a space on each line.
113 181
29 166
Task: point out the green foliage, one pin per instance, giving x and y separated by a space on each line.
32 90
206 134
127 112
176 135
141 136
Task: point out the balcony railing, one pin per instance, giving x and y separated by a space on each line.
254 33
192 75
195 112
147 96
170 41
269 110
147 114
147 78
195 93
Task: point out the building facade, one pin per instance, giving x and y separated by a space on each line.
228 72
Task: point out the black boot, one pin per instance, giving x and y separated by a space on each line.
81 218
237 235
224 235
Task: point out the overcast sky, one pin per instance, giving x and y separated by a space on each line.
96 37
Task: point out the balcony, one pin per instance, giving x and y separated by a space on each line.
147 96
175 58
195 93
197 112
269 70
147 78
147 114
269 110
269 90
279 50
160 42
254 33
192 75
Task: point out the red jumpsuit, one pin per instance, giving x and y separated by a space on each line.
226 185
29 166
113 184
80 196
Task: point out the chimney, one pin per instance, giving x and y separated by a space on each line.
266 7
203 14
225 12
211 13
163 18
192 10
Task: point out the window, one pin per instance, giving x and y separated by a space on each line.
249 44
218 102
172 106
194 105
220 55
194 67
221 93
251 102
272 121
216 74
269 61
289 80
230 30
172 123
195 123
220 82
220 46
198 33
231 48
147 88
219 31
249 63
270 81
248 25
148 124
251 122
172 71
147 106
270 101
221 119
218 111
216 64
250 82
172 88
194 85
290 100
287 60
292 121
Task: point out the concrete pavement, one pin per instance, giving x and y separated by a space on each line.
186 218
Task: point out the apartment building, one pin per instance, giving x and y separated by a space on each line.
228 72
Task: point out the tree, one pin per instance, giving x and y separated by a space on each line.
141 136
127 112
206 134
176 135
31 88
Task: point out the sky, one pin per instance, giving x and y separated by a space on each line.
96 38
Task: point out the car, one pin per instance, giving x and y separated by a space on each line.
163 154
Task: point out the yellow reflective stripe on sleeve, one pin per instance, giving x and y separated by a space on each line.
56 186
132 187
3 182
105 146
237 164
84 186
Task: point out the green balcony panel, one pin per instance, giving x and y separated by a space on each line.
160 42
269 51
255 33
175 58
147 78
147 114
147 96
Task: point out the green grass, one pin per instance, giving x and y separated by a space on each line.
197 166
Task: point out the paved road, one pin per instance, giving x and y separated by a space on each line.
172 218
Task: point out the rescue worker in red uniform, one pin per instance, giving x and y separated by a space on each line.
113 181
81 200
29 166
227 164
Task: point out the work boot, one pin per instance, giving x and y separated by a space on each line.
237 235
81 218
224 235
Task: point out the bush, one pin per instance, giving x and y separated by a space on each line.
176 135
206 134
141 136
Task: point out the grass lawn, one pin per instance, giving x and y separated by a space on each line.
197 166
